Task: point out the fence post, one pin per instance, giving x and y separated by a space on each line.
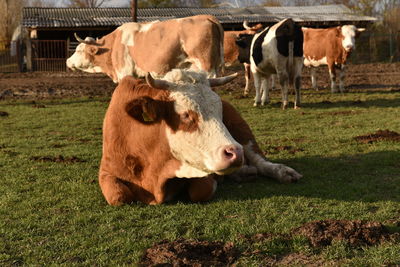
28 54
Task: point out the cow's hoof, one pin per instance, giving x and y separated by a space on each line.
297 107
256 104
287 175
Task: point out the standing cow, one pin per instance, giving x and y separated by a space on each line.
172 135
231 50
157 47
275 50
332 47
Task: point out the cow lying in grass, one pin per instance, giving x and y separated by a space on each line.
175 134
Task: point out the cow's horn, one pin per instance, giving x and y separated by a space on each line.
361 29
156 83
79 39
246 25
222 80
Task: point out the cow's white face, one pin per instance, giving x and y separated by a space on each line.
349 37
82 59
204 145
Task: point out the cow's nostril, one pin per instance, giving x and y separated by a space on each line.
229 153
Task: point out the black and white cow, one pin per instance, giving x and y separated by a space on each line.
275 50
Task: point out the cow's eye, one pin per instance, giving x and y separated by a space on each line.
185 117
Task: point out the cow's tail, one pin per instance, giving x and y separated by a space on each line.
290 61
221 65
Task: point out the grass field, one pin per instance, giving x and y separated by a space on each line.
52 210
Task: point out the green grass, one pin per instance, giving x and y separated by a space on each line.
54 213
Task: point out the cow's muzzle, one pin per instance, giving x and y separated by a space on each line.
230 158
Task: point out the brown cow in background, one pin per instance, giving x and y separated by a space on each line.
331 47
135 49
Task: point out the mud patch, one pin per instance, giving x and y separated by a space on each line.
189 252
380 135
58 159
3 114
356 233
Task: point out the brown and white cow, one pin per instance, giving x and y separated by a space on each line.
167 136
275 50
332 47
231 50
157 47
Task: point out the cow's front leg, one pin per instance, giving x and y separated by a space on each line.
247 74
265 91
114 190
297 85
202 189
332 76
313 78
257 86
279 172
341 78
284 81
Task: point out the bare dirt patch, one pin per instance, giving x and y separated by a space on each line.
53 85
58 159
356 233
380 135
188 252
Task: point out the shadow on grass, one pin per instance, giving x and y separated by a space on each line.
383 103
363 177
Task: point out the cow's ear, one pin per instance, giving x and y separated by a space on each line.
338 31
144 110
359 31
92 50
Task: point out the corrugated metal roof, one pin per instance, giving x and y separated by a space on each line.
92 17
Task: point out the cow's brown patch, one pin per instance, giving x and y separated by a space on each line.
59 159
380 135
188 252
3 114
356 233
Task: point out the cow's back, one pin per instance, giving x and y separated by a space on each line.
178 43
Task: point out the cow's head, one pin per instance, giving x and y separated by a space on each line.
84 56
243 41
349 33
192 117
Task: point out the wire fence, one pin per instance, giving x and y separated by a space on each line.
50 55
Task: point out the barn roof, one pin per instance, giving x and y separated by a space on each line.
110 17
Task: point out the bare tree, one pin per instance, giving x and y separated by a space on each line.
86 3
10 17
38 3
